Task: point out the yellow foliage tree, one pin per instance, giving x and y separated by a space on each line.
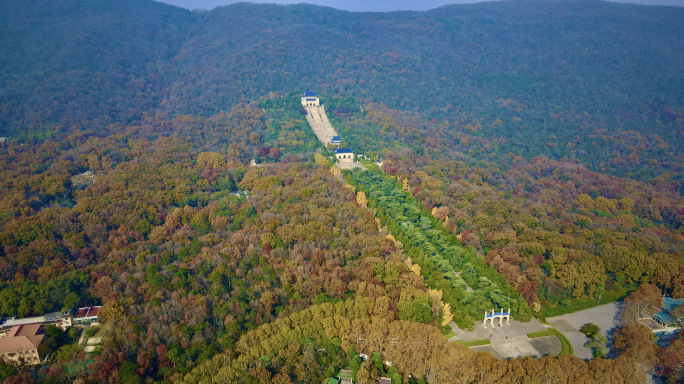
585 201
321 160
336 172
536 307
626 204
447 316
216 160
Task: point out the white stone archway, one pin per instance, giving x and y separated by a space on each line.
501 316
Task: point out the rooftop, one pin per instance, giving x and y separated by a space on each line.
669 304
651 324
12 344
344 150
87 312
54 316
309 93
345 373
22 337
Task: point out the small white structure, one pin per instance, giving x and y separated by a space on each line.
83 179
309 99
497 315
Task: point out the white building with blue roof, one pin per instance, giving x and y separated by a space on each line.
344 155
309 99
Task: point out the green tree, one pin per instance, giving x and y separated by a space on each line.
590 330
6 370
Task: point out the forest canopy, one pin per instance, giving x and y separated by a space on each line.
158 162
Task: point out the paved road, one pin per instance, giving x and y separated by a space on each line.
574 336
605 316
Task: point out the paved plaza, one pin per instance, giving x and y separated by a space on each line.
605 316
355 164
510 340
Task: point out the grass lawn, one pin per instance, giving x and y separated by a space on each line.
475 343
567 346
565 343
584 303
534 335
449 334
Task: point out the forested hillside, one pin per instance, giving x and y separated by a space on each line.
69 64
554 79
532 159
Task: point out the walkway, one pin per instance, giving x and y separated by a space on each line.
318 120
83 335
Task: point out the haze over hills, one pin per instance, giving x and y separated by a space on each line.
378 5
159 162
606 67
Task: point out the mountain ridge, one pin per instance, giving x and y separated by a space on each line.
606 66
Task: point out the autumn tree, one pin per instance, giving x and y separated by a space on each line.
637 342
642 303
670 364
212 159
368 373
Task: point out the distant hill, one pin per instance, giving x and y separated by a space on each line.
550 78
85 63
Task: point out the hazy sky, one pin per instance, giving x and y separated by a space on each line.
372 5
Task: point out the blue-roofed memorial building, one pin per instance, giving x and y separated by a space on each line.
344 155
309 99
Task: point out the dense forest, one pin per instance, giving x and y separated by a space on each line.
531 159
556 79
